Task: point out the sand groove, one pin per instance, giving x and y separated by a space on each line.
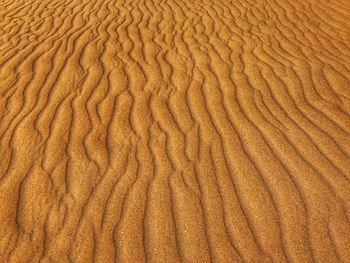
174 131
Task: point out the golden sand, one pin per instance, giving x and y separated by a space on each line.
175 131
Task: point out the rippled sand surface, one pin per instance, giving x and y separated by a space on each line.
175 131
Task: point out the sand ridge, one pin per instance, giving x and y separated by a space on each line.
174 131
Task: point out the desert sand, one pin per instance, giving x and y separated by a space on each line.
175 131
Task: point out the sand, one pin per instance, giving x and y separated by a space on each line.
174 131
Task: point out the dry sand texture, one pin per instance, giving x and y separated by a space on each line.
175 131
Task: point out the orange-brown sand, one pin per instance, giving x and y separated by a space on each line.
175 131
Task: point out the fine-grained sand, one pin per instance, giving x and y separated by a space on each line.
175 131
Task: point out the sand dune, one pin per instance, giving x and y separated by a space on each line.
174 131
